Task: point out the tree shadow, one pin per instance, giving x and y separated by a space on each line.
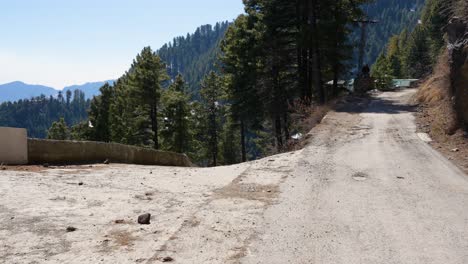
376 105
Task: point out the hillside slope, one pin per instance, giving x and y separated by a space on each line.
15 91
194 55
443 96
393 17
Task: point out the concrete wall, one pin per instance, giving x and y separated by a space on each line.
13 146
69 152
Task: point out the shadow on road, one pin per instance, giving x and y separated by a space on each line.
368 104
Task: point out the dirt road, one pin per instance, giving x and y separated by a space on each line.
366 189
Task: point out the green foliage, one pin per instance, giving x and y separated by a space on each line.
195 55
59 130
381 72
81 131
280 51
393 17
418 61
99 114
176 113
37 114
135 103
412 54
211 93
230 148
434 18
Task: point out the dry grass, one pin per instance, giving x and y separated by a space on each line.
304 117
437 115
434 94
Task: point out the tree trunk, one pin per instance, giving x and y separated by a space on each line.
214 138
278 134
244 152
286 127
154 125
303 52
315 55
180 133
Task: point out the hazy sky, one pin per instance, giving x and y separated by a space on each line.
64 42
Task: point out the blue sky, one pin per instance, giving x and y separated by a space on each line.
63 42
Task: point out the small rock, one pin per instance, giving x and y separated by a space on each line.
151 172
144 219
167 259
120 221
106 161
400 177
3 168
71 229
45 165
80 183
455 150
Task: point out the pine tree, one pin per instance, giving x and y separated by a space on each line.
239 63
229 148
176 115
211 92
434 18
147 75
417 54
381 72
99 115
59 130
82 132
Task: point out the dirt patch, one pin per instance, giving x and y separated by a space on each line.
454 147
71 169
118 239
248 191
28 168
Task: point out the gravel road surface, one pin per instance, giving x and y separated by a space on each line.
366 189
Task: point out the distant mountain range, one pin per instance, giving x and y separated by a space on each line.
15 91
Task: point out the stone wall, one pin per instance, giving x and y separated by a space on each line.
80 152
13 146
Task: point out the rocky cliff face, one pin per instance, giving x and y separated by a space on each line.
457 34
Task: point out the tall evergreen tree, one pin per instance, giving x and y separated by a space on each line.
147 75
240 65
176 113
99 114
211 93
418 61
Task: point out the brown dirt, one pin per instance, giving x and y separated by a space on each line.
40 168
305 118
444 143
29 168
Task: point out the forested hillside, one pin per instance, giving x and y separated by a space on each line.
38 114
232 92
194 55
15 91
412 53
393 16
273 60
